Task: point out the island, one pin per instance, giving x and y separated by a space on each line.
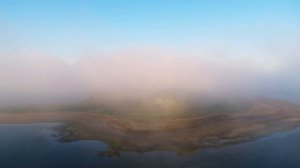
166 124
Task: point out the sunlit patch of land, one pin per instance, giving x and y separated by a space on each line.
165 123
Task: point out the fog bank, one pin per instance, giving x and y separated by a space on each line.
140 72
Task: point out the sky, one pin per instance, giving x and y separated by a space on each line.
66 48
72 28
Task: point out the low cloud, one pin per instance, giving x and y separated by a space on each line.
139 72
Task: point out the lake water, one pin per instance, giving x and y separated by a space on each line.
34 146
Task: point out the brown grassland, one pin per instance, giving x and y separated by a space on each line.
181 132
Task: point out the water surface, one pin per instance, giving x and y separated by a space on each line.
34 146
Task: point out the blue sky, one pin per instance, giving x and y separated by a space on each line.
53 49
71 28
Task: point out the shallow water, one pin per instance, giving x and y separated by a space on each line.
34 146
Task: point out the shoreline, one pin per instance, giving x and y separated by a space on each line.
183 135
114 151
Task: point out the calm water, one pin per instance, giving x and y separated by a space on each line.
34 146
